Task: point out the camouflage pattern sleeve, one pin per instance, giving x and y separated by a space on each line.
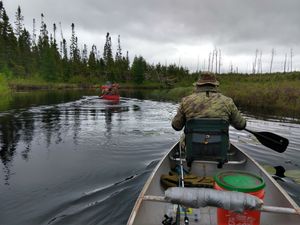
235 118
179 119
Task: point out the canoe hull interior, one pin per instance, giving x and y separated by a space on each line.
152 213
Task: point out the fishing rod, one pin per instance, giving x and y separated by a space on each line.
181 184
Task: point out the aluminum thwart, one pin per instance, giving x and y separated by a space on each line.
202 197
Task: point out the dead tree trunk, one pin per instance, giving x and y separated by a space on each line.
216 61
212 61
209 61
291 60
219 61
272 57
284 64
255 61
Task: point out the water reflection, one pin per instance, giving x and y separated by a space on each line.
139 94
13 129
51 124
109 110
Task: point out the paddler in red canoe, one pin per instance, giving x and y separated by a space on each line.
110 89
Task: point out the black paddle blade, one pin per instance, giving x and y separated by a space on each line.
270 140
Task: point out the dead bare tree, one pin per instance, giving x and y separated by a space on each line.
291 60
284 64
212 61
255 62
33 33
54 32
209 61
216 60
272 57
231 68
259 69
61 41
219 61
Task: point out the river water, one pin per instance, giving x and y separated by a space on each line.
72 158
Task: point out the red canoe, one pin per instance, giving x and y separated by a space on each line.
111 97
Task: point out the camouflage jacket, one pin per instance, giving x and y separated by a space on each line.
207 102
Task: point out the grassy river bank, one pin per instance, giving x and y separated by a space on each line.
265 94
273 95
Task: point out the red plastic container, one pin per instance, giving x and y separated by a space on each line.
243 182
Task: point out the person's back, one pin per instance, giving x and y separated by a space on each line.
207 102
115 89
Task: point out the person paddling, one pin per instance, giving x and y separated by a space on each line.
207 102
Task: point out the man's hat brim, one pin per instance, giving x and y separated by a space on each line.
200 83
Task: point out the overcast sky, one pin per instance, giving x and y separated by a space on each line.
184 32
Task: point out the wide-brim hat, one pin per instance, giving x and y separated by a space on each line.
207 78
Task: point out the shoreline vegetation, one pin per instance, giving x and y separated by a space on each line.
276 94
31 61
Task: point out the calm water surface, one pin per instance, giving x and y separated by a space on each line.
72 158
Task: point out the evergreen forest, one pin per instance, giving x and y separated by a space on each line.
39 54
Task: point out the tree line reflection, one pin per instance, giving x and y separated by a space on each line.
19 128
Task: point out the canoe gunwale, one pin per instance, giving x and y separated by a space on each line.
212 162
248 159
145 188
286 195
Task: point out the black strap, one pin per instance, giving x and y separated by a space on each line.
189 130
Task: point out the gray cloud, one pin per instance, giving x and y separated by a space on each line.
154 28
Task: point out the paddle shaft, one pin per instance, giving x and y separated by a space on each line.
258 134
270 209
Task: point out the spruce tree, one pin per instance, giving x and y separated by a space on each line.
54 33
119 50
64 50
126 63
84 54
65 62
74 51
55 56
92 61
47 55
84 59
107 53
8 43
2 62
19 22
108 58
118 67
25 53
138 69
